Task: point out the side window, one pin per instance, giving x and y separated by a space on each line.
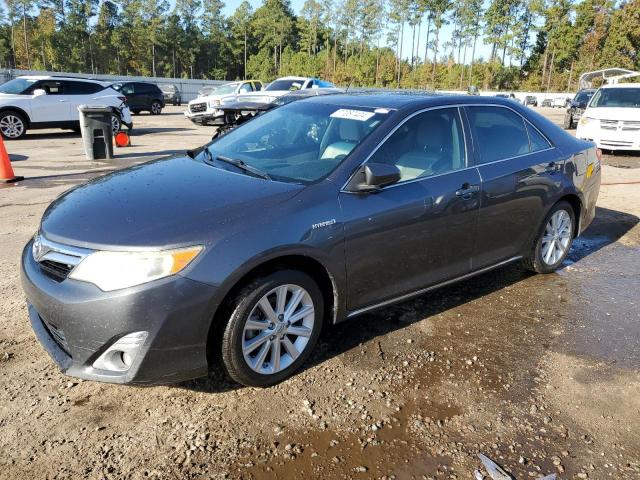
536 139
257 86
51 87
127 89
142 88
80 88
499 132
245 88
428 144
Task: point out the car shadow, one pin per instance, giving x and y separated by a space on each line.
160 153
607 228
146 130
14 157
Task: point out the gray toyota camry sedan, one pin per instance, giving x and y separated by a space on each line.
310 214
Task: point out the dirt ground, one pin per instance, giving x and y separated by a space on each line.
538 372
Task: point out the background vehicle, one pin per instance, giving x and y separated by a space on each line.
576 107
547 102
282 86
33 102
208 90
559 102
245 248
142 96
171 94
236 113
612 117
530 101
205 110
510 96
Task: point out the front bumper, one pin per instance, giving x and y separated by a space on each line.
608 139
76 322
212 116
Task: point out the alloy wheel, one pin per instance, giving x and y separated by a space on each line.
115 124
156 108
556 238
278 329
11 126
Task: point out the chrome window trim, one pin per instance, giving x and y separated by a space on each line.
458 106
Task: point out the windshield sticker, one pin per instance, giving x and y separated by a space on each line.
347 114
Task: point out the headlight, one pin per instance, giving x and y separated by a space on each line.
214 103
584 120
115 270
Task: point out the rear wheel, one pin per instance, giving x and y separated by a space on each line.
156 108
568 122
13 125
275 323
554 240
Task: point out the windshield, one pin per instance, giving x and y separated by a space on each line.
17 85
301 142
583 97
285 85
225 89
616 97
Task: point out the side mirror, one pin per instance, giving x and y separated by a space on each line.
373 176
38 92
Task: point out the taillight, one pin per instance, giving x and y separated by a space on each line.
122 99
599 155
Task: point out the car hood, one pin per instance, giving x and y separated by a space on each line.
161 204
613 113
264 96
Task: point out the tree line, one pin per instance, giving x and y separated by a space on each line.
533 44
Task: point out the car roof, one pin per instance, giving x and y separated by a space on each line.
621 85
293 78
56 77
409 100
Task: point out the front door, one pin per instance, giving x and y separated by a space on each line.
419 231
53 107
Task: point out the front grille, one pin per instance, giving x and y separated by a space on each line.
198 107
630 126
57 271
616 143
57 335
609 124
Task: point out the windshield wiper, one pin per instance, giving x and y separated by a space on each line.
241 165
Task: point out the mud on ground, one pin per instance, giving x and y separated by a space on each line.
540 373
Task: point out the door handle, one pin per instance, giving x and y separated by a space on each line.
467 190
62 100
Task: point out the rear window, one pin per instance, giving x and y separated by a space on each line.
499 132
81 88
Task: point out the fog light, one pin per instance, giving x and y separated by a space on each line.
120 356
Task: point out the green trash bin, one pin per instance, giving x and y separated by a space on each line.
96 129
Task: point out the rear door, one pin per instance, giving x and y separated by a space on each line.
419 231
79 93
521 174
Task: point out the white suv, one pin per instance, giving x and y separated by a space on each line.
32 102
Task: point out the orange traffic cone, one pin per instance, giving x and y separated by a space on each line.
121 139
6 172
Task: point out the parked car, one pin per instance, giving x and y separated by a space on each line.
530 101
142 96
205 110
612 117
171 94
41 101
282 86
576 107
510 96
310 214
547 102
236 113
560 102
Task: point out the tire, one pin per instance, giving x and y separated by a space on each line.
116 123
258 367
540 259
156 108
13 125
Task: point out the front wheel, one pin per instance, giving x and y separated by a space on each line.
568 122
156 108
554 240
13 125
275 323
